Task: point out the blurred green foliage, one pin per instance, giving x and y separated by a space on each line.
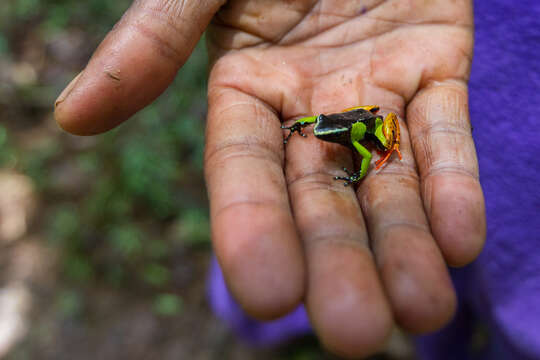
69 303
8 157
168 304
141 200
95 16
145 176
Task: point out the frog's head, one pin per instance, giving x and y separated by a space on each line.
390 138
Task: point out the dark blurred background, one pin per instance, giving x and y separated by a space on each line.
104 241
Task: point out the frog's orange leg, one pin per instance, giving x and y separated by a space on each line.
392 134
371 108
382 160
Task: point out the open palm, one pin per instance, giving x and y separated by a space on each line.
284 231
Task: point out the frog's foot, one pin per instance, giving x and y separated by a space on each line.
386 155
296 127
351 178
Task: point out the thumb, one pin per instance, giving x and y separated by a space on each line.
134 64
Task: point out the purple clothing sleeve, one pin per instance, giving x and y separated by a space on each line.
255 332
500 291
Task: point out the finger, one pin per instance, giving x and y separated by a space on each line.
411 265
252 226
134 64
438 119
344 299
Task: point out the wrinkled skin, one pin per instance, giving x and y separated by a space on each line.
284 231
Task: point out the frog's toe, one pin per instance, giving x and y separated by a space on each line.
348 171
347 179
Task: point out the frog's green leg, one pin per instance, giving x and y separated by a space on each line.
298 125
371 108
359 175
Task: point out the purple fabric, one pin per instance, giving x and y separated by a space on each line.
499 292
253 331
502 288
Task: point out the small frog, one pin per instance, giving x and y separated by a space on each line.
350 127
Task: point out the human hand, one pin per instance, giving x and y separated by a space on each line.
284 231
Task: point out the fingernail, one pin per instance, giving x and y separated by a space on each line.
65 93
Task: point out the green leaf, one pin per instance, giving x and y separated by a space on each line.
26 8
168 305
4 46
126 240
156 274
78 268
193 229
64 224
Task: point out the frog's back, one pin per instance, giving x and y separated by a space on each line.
337 127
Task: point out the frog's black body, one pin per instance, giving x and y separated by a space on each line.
337 128
350 128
